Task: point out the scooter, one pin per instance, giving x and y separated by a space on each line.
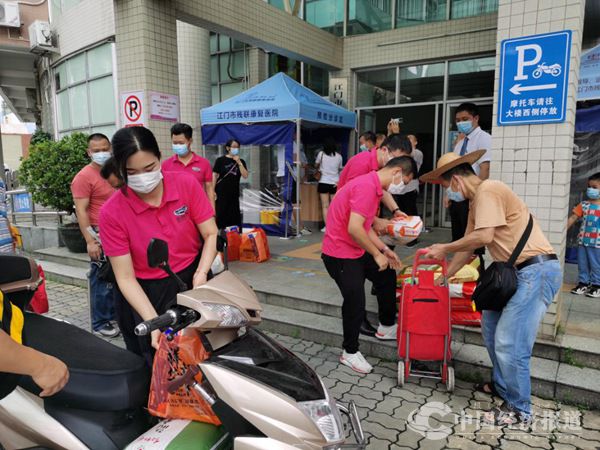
264 395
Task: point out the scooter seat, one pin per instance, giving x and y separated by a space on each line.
102 376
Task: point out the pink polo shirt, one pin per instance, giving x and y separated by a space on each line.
198 166
128 224
358 165
362 196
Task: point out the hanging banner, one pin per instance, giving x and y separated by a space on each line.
589 75
164 107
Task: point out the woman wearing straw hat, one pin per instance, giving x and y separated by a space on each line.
497 220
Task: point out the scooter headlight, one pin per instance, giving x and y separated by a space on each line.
325 415
230 315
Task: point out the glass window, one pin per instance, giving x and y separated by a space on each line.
214 68
326 14
64 111
423 83
214 43
230 89
108 131
102 97
100 61
469 8
215 96
369 16
471 78
290 67
79 106
60 76
76 69
316 79
232 66
223 43
414 12
376 87
280 4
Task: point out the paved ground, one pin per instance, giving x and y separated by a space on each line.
419 416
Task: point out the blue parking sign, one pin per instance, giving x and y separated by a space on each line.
534 78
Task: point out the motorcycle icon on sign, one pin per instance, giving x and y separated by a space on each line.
554 70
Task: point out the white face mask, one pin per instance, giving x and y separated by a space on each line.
100 158
396 188
144 183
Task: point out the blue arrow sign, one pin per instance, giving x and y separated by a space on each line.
534 78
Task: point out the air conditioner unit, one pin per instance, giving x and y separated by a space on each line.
9 15
40 37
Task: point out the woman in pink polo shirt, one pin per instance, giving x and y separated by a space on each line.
171 207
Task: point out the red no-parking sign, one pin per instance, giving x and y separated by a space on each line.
133 107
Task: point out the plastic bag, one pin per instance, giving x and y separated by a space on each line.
218 265
255 246
171 361
234 241
402 231
39 301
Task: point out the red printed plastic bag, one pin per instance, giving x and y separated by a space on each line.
172 360
234 241
39 301
255 246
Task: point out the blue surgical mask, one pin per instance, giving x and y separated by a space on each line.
593 193
363 148
235 151
465 127
455 196
180 149
100 158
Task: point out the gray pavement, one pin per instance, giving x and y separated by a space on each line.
421 415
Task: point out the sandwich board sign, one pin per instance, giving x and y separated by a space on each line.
534 79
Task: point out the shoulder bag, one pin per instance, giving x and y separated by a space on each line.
499 281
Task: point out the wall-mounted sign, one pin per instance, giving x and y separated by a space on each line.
164 107
338 91
133 112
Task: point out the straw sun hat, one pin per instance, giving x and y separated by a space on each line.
449 161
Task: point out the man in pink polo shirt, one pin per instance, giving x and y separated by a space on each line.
90 191
352 252
185 160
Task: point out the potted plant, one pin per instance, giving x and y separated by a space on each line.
47 174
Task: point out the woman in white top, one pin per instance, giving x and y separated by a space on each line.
329 162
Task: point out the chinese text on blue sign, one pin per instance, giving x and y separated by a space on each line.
534 78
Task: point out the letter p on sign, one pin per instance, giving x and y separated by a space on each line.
532 50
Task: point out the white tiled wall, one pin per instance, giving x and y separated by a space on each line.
535 160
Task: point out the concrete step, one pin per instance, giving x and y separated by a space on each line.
573 350
551 379
61 255
62 273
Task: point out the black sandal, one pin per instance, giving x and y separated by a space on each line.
487 388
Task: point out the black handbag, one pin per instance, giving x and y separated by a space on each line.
105 270
499 281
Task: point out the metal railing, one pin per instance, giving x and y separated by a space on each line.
29 210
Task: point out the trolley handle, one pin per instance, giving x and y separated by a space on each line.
422 262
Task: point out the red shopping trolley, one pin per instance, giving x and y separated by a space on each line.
424 329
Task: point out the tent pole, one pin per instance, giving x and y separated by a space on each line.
298 167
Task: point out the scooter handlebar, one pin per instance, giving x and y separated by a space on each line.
167 319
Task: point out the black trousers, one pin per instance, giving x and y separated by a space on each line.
162 294
408 202
459 217
350 276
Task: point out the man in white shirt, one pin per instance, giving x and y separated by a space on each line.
467 123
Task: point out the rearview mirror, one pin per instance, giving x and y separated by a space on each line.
158 253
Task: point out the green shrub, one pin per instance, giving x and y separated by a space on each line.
51 166
40 136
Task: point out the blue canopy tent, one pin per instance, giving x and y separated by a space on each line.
270 113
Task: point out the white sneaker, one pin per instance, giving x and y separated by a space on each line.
386 333
305 231
323 230
356 361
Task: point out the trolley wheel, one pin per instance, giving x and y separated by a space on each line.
401 373
450 380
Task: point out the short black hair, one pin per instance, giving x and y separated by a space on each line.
128 141
369 136
398 142
595 177
406 163
97 137
182 128
230 142
330 148
469 107
464 170
109 168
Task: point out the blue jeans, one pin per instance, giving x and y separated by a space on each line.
509 334
588 261
101 299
